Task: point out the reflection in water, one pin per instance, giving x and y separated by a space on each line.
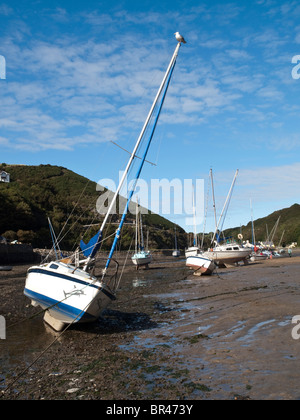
28 339
138 282
24 341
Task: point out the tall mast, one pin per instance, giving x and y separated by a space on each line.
140 137
194 218
225 205
213 196
252 222
136 225
170 67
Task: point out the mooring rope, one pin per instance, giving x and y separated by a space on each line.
43 352
9 386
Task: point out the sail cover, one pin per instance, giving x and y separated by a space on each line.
90 249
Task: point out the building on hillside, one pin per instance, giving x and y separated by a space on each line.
4 176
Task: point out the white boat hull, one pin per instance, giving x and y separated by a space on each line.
141 258
228 257
202 264
192 251
68 294
176 253
258 257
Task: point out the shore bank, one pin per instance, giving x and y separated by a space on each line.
170 335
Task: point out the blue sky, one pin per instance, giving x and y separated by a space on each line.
79 74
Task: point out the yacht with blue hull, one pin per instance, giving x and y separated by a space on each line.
67 293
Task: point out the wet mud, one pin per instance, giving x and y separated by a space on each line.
170 335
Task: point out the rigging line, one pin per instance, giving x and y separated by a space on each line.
78 217
226 211
158 150
53 305
116 144
42 353
53 342
205 217
118 283
66 222
59 239
165 89
75 222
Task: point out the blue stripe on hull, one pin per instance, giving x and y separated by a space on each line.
70 278
60 308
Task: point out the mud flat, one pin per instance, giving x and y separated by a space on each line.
170 335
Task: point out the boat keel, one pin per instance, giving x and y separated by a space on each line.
55 324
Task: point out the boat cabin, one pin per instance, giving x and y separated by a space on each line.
233 248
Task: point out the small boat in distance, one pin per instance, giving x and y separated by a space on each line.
176 252
194 249
194 255
201 264
228 254
141 256
258 256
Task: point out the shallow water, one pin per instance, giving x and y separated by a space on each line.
23 343
27 339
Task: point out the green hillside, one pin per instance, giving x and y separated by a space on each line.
38 192
288 226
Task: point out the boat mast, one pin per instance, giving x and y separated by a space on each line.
225 205
133 155
213 197
163 89
205 218
136 225
194 218
141 234
252 222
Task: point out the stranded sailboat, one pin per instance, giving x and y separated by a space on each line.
226 254
141 257
194 256
67 289
176 252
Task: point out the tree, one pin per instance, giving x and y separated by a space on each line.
25 236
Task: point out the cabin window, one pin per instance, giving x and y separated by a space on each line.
54 266
236 248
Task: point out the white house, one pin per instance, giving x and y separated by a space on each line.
4 176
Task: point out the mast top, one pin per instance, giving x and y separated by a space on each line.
179 38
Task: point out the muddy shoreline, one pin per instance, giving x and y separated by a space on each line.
169 336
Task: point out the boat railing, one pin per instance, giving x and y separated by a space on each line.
111 278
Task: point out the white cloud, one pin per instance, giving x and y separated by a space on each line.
6 10
4 141
265 184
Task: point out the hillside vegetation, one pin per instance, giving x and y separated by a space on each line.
37 193
288 227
